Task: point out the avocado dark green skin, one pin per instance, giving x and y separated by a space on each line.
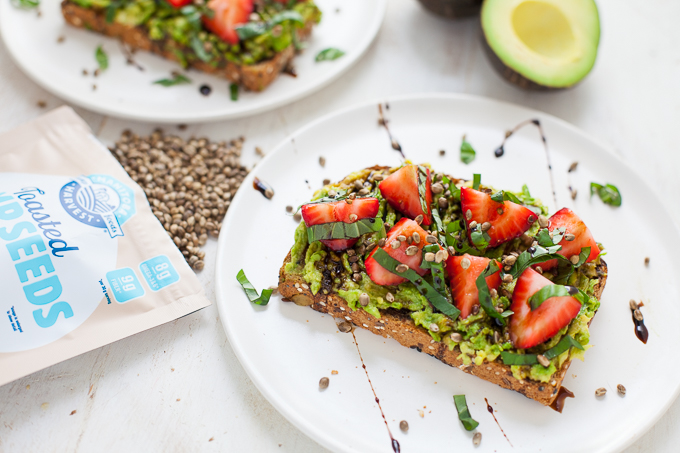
511 75
453 9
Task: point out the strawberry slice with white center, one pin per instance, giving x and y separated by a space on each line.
565 218
340 211
529 328
463 272
508 220
228 14
405 227
400 189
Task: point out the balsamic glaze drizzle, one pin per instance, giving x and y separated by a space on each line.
501 149
558 403
490 409
395 443
383 122
640 328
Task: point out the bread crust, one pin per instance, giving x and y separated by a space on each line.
398 325
255 77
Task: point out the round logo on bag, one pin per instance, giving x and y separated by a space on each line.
99 201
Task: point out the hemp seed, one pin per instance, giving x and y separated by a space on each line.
456 337
477 439
403 425
189 184
621 389
601 391
543 360
364 299
345 327
323 383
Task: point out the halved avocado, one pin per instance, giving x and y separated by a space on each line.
541 44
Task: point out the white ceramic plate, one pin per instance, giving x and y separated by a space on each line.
286 349
126 92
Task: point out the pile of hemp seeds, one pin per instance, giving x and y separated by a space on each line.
189 184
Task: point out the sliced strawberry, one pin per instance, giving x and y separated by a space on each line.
179 3
565 218
340 211
529 328
463 276
406 227
228 14
400 189
508 220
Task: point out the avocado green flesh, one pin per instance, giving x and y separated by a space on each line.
550 42
170 27
317 265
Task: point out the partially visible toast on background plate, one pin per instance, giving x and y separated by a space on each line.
247 42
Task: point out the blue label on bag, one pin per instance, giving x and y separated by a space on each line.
159 272
125 285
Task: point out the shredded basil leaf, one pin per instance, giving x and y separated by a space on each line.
422 189
609 194
233 91
549 291
342 230
476 181
110 13
253 29
329 54
438 275
467 153
439 302
27 4
565 343
511 358
251 292
177 79
102 58
501 196
199 50
484 294
480 239
464 413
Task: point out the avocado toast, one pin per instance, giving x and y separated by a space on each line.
480 279
248 42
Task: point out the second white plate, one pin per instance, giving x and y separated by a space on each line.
286 349
123 91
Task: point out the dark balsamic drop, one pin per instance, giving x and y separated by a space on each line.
562 395
205 90
395 446
641 331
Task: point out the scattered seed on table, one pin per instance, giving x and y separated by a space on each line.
601 391
344 327
621 389
646 261
403 425
322 161
442 152
323 383
477 439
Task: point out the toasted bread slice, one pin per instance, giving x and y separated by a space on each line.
255 77
398 325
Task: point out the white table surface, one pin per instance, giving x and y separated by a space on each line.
179 387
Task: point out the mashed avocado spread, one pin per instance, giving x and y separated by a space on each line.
329 271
